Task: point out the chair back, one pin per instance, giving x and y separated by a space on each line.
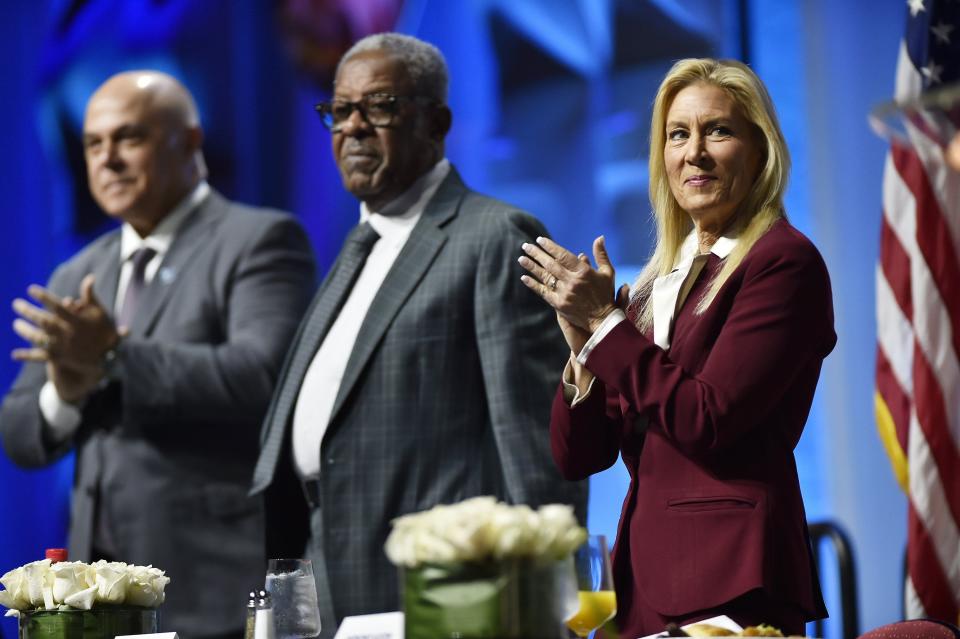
846 569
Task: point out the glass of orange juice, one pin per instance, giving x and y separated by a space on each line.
595 586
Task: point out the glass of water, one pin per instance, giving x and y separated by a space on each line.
294 593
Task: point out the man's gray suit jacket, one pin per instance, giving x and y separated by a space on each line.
445 396
169 451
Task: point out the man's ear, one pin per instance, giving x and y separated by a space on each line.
441 122
193 139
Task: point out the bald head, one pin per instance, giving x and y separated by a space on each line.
142 142
159 91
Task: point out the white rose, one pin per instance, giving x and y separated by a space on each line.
454 533
442 534
82 599
146 586
37 577
433 548
517 534
558 532
14 596
7 600
69 577
481 528
400 543
111 580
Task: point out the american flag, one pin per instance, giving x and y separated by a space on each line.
917 397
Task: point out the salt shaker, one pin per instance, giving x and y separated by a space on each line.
264 627
259 616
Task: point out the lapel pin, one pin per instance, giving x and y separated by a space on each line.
167 274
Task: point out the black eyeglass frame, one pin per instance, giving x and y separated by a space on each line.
325 109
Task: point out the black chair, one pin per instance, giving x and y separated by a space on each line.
846 569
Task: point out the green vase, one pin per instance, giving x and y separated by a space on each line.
515 599
104 622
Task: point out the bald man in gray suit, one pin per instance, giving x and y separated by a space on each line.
153 353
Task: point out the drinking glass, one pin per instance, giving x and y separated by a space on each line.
294 593
598 603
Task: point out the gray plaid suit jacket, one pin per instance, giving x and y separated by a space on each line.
169 452
446 396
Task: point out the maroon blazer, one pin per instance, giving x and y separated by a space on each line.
707 431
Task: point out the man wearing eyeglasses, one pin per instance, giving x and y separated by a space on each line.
424 372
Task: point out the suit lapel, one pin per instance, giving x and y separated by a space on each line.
190 239
426 240
107 274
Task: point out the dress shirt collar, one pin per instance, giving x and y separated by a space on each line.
690 249
666 288
162 236
398 217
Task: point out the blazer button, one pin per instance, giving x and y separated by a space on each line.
331 461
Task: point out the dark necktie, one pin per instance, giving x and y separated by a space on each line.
326 307
131 299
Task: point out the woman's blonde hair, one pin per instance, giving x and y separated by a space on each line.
762 206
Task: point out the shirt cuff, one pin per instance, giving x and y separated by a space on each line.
63 418
606 326
571 394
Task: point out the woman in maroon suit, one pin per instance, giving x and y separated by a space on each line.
702 379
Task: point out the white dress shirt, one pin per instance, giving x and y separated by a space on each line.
663 297
62 418
321 383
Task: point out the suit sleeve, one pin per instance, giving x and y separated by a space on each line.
522 353
585 438
22 425
780 324
229 382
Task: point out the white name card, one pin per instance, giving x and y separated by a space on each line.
385 625
150 635
723 621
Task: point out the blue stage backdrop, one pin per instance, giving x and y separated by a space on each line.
551 102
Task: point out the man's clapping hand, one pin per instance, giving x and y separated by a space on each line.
70 335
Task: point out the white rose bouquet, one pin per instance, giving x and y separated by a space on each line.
481 529
484 569
74 585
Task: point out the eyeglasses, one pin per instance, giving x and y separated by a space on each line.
377 109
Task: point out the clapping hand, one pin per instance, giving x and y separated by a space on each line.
70 335
583 296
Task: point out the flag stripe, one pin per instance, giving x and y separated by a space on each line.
896 402
932 417
928 500
912 604
899 208
932 590
895 336
895 263
933 237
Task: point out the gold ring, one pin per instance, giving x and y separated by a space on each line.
553 284
44 341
